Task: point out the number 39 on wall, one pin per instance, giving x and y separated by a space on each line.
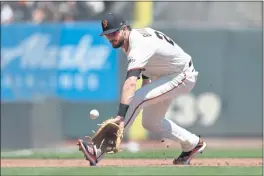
188 109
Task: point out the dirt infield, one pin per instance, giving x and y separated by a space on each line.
212 143
128 162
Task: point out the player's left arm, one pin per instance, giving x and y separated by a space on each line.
128 91
138 58
129 86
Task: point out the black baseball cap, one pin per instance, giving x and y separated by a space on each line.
112 23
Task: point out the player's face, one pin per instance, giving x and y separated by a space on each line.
116 39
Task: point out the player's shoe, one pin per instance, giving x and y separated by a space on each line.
88 150
185 157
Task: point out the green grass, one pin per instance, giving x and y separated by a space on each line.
135 171
209 153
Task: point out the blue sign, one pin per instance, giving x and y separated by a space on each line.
67 61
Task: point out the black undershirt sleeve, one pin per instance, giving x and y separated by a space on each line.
134 72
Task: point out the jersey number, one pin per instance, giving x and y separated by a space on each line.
163 36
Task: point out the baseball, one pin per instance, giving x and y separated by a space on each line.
94 114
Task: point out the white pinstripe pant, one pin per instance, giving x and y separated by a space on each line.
155 99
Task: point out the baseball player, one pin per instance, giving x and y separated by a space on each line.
167 72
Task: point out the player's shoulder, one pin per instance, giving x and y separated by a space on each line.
140 35
143 31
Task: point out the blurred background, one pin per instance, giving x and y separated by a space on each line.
55 69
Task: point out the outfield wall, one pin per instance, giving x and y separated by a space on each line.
226 102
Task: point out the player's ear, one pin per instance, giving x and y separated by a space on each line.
124 27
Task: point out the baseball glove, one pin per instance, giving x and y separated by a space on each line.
108 137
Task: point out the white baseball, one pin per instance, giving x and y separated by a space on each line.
94 114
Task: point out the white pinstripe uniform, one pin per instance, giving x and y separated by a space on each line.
172 74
